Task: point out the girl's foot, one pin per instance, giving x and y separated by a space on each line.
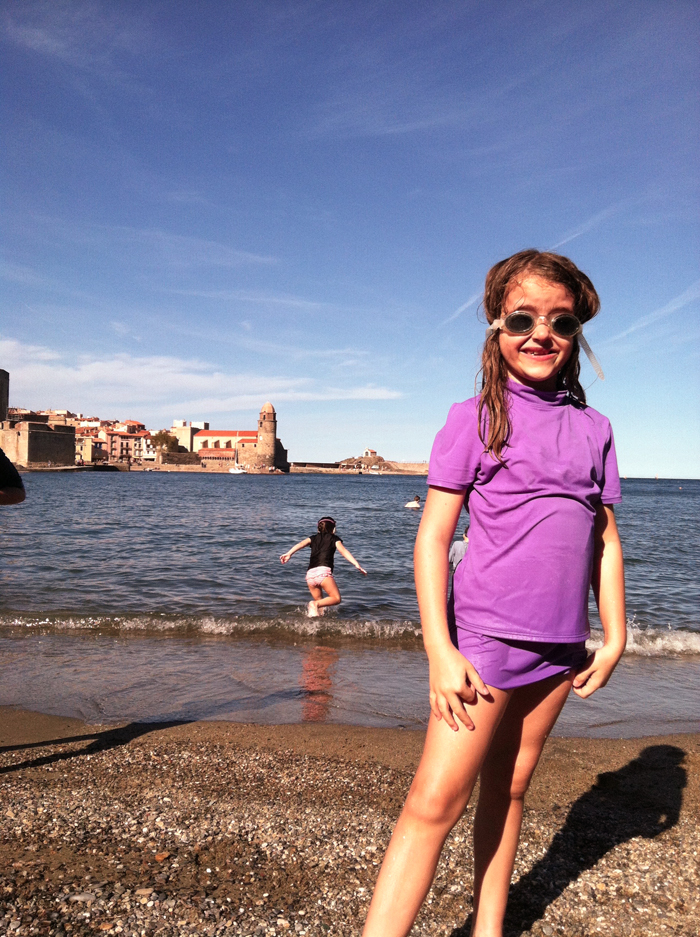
311 610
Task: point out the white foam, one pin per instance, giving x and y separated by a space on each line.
654 642
641 642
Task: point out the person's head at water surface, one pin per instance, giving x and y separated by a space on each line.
326 525
535 303
465 535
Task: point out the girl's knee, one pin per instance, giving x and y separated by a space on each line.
499 783
433 807
519 784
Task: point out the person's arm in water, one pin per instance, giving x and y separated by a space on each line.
286 557
453 680
609 591
343 550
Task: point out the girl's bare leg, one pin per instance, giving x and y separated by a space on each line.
505 776
316 594
330 586
440 791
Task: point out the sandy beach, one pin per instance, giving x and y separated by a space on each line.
221 828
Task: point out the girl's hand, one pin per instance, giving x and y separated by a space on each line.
361 570
285 558
596 672
453 682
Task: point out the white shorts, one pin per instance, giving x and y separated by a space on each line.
315 576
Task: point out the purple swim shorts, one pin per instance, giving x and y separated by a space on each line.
507 664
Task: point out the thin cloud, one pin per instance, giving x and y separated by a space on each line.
141 246
255 296
593 222
26 276
181 250
158 384
679 302
88 37
248 401
474 298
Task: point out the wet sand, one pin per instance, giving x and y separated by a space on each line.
223 828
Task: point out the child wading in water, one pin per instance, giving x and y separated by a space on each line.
537 469
319 575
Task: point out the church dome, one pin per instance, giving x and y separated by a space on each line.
267 408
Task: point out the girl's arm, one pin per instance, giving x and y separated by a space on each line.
609 591
453 680
349 557
285 558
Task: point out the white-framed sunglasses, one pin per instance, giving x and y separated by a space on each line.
563 324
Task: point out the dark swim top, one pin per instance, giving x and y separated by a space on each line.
323 550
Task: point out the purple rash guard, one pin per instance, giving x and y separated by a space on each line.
528 569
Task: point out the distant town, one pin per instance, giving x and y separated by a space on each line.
59 439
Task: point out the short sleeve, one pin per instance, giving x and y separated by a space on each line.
456 455
337 539
611 492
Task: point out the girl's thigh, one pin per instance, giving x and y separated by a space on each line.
451 760
519 739
330 586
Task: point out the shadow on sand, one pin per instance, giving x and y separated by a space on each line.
643 798
98 742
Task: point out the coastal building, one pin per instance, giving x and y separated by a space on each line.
185 432
88 446
126 441
4 393
35 442
32 440
254 449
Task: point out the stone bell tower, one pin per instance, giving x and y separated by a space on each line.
267 434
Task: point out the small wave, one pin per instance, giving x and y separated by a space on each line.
654 642
641 641
296 624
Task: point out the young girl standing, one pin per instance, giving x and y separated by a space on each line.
536 468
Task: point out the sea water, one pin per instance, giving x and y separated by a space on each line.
160 596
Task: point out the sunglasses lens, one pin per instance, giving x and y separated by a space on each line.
566 326
520 323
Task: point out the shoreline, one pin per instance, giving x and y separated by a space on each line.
111 467
226 828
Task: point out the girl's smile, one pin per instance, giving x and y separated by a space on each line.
536 359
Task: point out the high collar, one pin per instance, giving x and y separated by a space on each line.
537 398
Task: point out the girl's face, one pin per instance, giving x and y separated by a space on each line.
537 358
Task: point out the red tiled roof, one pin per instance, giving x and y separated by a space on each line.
227 432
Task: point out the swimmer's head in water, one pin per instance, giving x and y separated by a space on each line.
326 525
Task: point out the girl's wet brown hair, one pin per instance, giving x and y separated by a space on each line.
326 525
494 421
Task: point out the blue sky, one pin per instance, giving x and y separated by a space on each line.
210 205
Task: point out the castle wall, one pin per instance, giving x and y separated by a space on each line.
38 443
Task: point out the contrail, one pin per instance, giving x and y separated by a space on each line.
591 223
470 302
686 297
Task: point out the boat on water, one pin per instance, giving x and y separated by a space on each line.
237 470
